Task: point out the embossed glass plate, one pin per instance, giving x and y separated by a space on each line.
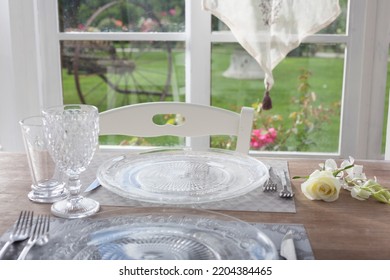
164 234
183 176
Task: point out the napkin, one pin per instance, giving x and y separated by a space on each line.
269 29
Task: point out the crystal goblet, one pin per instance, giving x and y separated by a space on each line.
72 133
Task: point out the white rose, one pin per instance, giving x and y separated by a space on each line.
321 185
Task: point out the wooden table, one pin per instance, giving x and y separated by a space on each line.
344 229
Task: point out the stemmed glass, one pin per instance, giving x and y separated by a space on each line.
72 133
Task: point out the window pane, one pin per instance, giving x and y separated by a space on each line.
306 95
337 27
110 74
121 16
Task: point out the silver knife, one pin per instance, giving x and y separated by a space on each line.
95 184
287 248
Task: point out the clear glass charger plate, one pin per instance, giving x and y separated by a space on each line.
161 233
182 176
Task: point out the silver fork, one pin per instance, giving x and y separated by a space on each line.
20 231
285 193
270 185
39 235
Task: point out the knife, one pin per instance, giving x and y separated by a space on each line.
287 248
95 184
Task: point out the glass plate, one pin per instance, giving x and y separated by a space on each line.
182 176
164 234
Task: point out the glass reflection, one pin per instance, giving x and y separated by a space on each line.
121 16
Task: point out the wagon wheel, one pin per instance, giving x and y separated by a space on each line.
120 73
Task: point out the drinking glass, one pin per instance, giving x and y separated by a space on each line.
72 134
48 183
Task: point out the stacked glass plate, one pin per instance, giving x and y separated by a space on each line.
183 176
162 233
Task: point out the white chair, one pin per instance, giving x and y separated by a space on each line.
199 120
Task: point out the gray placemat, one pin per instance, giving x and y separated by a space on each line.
61 229
256 200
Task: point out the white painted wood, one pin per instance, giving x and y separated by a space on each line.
19 92
48 53
198 59
378 78
365 80
355 112
7 86
198 120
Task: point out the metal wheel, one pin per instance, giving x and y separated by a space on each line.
114 73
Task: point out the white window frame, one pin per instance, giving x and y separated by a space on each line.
365 72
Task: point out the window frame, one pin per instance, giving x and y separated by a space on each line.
365 71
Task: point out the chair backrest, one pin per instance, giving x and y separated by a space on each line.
198 120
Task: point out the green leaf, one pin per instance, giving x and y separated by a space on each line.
301 177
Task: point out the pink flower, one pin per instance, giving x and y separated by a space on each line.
261 138
81 26
172 12
272 132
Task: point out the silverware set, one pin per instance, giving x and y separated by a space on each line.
36 232
272 186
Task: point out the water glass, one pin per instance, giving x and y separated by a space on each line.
48 184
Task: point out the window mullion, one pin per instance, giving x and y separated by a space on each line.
198 53
378 78
198 57
356 97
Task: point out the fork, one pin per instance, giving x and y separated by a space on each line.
285 193
39 235
20 231
270 185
